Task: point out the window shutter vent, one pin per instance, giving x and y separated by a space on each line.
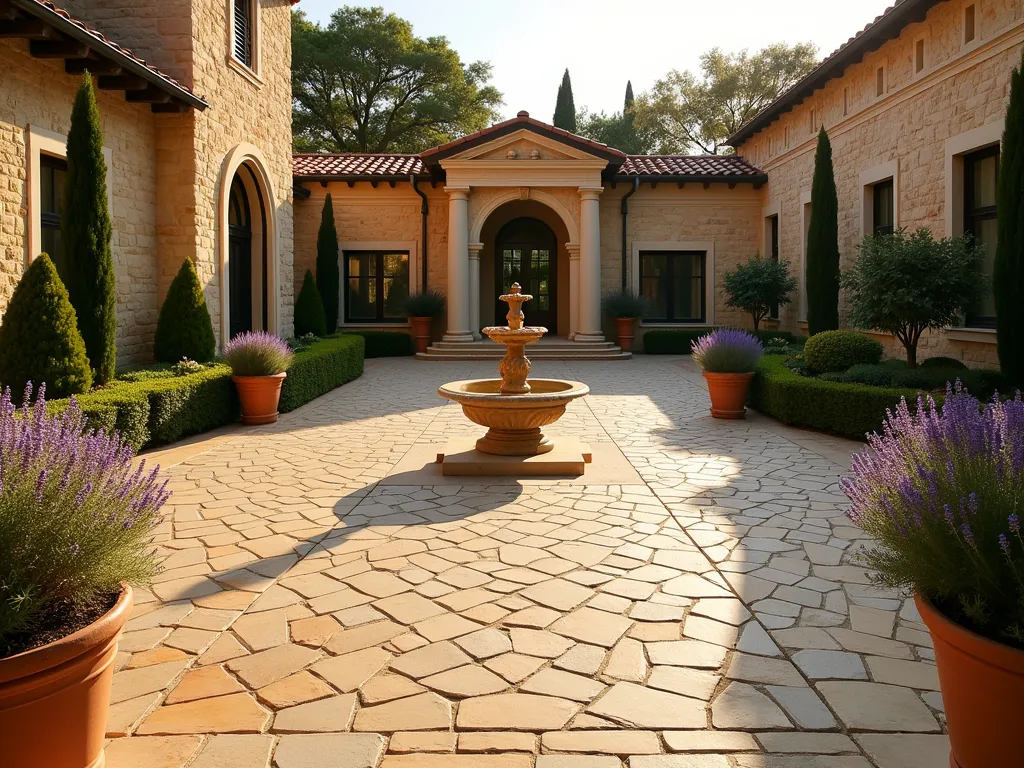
243 32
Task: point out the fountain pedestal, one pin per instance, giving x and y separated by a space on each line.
515 411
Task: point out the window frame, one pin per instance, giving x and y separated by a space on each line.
972 215
248 69
919 64
671 258
50 211
881 81
879 230
969 23
772 249
379 277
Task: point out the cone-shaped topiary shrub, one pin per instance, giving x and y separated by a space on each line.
1009 261
309 309
86 232
823 244
565 107
184 328
39 338
327 276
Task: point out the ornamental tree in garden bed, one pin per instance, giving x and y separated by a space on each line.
327 274
823 244
184 328
757 286
904 284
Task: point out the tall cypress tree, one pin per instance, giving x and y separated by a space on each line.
327 276
629 139
823 244
1009 262
86 232
565 107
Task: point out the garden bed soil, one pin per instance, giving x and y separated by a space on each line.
62 620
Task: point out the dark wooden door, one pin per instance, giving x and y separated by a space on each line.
239 259
526 252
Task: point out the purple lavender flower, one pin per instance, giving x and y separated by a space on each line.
968 534
1004 544
258 353
1014 522
727 350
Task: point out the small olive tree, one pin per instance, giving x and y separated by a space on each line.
904 283
759 286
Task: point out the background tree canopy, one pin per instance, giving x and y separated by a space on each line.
366 83
687 113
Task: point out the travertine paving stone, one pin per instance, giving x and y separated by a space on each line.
598 624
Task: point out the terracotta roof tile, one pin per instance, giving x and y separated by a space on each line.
355 164
687 165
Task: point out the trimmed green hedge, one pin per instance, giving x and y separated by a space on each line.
849 410
385 343
157 407
320 368
677 342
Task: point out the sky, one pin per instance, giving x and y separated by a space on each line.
604 43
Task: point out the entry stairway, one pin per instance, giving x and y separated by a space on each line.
548 348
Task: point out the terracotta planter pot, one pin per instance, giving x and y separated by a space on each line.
625 332
982 685
728 394
421 332
260 396
54 699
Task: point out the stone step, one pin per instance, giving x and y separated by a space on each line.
611 354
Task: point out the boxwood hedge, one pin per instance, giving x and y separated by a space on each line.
385 343
157 407
677 342
849 410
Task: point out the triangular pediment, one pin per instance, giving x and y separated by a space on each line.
524 144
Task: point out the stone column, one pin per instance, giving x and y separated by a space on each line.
474 289
458 265
590 266
574 289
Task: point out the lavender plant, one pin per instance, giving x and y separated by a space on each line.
942 490
727 350
76 518
258 353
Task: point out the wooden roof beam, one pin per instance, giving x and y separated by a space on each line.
58 49
29 29
99 67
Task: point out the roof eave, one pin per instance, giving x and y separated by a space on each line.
329 177
759 178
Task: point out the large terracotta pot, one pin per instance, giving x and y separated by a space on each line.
728 394
260 396
625 332
982 685
54 699
421 332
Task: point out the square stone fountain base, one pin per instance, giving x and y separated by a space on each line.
460 458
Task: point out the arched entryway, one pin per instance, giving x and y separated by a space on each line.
247 254
526 252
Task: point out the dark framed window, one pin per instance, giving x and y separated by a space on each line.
673 282
244 31
773 254
53 172
376 286
981 177
883 218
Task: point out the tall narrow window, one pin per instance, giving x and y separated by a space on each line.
883 218
244 31
811 122
377 285
880 82
52 173
981 171
846 101
773 254
673 284
919 56
969 30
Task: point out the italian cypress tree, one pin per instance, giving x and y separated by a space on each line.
39 338
184 328
1009 261
565 107
629 139
327 276
823 244
309 309
86 232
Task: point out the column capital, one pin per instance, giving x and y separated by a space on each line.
474 250
457 193
573 249
590 193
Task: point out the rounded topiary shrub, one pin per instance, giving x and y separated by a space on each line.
39 338
946 363
309 309
184 328
838 350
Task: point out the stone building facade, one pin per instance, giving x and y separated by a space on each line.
197 133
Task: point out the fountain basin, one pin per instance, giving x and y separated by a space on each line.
515 422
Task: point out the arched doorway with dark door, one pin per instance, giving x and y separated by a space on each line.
526 252
247 254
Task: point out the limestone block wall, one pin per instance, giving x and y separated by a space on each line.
962 88
38 93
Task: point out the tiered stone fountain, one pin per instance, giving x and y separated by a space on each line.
515 410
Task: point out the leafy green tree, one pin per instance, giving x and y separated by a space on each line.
365 83
565 107
618 129
309 309
327 276
906 283
1009 261
698 113
39 338
86 233
758 286
184 328
823 244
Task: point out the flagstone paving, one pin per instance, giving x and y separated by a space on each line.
710 614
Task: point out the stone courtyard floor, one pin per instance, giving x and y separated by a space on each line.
318 610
